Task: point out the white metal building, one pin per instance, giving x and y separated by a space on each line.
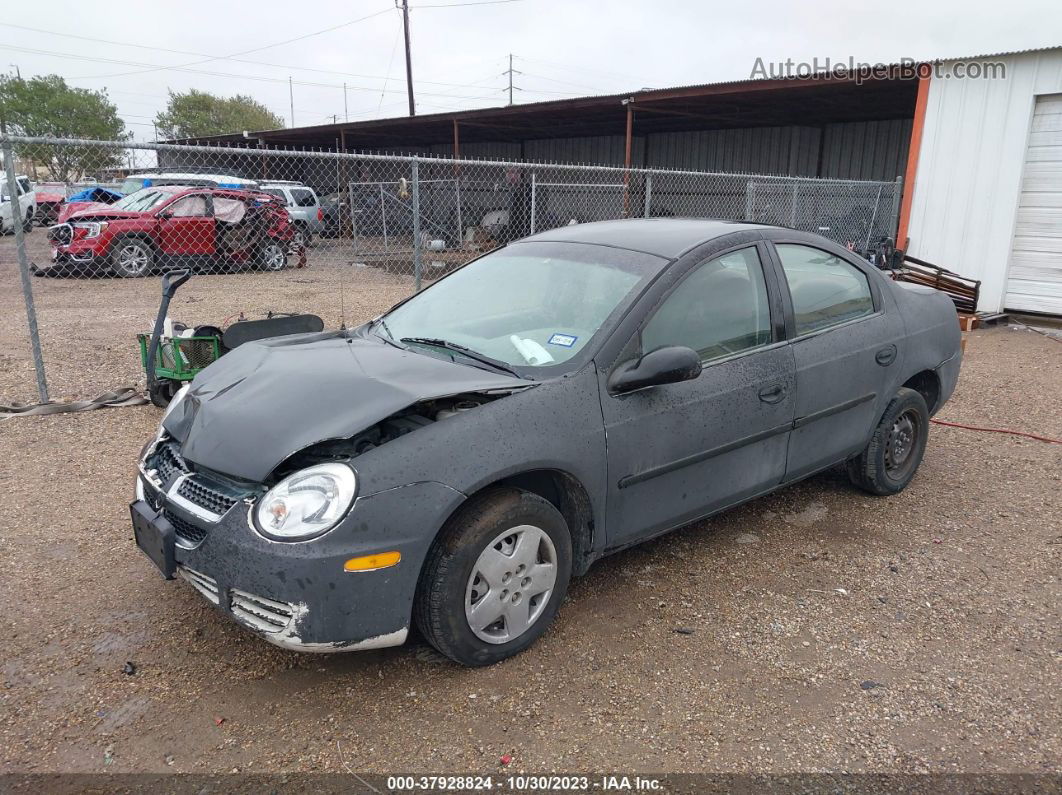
987 198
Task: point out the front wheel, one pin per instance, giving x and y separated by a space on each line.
891 458
272 256
495 577
132 257
27 224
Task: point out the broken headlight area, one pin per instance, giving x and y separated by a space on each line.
193 501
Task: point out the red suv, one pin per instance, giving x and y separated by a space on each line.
176 225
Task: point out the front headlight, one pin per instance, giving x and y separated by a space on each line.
306 504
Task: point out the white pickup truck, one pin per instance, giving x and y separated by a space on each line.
27 204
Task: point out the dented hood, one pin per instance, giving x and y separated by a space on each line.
257 405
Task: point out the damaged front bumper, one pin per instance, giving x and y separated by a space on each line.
297 595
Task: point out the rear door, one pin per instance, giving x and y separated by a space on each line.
186 226
679 451
846 347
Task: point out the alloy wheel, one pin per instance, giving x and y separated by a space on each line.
133 259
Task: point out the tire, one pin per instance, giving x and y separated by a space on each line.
132 257
161 392
468 567
300 232
27 224
272 256
891 458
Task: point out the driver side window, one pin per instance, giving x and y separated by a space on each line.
718 309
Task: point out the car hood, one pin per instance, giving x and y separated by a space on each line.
266 400
98 210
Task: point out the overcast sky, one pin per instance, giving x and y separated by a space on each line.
562 48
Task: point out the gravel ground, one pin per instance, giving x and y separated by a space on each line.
817 629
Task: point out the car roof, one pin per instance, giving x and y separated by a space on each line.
665 237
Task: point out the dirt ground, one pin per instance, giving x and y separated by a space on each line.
818 629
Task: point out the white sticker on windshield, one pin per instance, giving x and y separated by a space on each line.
564 340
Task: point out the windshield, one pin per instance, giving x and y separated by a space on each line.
533 305
143 200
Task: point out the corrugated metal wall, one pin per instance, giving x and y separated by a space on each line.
968 182
865 150
792 151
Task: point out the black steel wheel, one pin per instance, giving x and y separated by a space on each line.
891 458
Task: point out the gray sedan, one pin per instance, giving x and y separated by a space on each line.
454 462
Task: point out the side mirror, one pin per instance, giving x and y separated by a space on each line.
165 215
668 365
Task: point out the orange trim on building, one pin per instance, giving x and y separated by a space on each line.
912 161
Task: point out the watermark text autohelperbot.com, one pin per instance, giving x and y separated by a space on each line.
859 71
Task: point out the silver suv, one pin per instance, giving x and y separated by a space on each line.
304 208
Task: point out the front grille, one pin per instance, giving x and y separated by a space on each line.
198 493
185 530
207 586
61 234
168 462
266 615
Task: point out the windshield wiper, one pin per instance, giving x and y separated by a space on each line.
390 338
435 342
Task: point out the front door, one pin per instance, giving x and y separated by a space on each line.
679 451
847 350
186 227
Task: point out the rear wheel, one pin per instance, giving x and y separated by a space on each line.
132 257
890 460
272 257
27 223
495 578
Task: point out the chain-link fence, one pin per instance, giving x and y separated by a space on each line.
342 235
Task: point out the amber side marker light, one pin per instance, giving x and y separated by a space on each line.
380 560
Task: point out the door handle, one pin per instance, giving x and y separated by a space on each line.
772 393
886 355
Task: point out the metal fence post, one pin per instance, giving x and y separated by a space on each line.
533 197
23 269
897 194
417 254
648 193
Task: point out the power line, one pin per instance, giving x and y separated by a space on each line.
258 78
254 49
218 57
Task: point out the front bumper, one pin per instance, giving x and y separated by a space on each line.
297 595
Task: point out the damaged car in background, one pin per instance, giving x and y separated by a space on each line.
446 465
167 226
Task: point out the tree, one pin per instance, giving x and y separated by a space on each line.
196 114
47 106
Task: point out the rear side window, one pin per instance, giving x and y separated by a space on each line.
303 197
720 308
24 185
275 192
826 290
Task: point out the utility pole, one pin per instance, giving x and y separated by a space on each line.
510 71
346 115
409 61
18 73
291 98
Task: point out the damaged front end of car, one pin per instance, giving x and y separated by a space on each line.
251 491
